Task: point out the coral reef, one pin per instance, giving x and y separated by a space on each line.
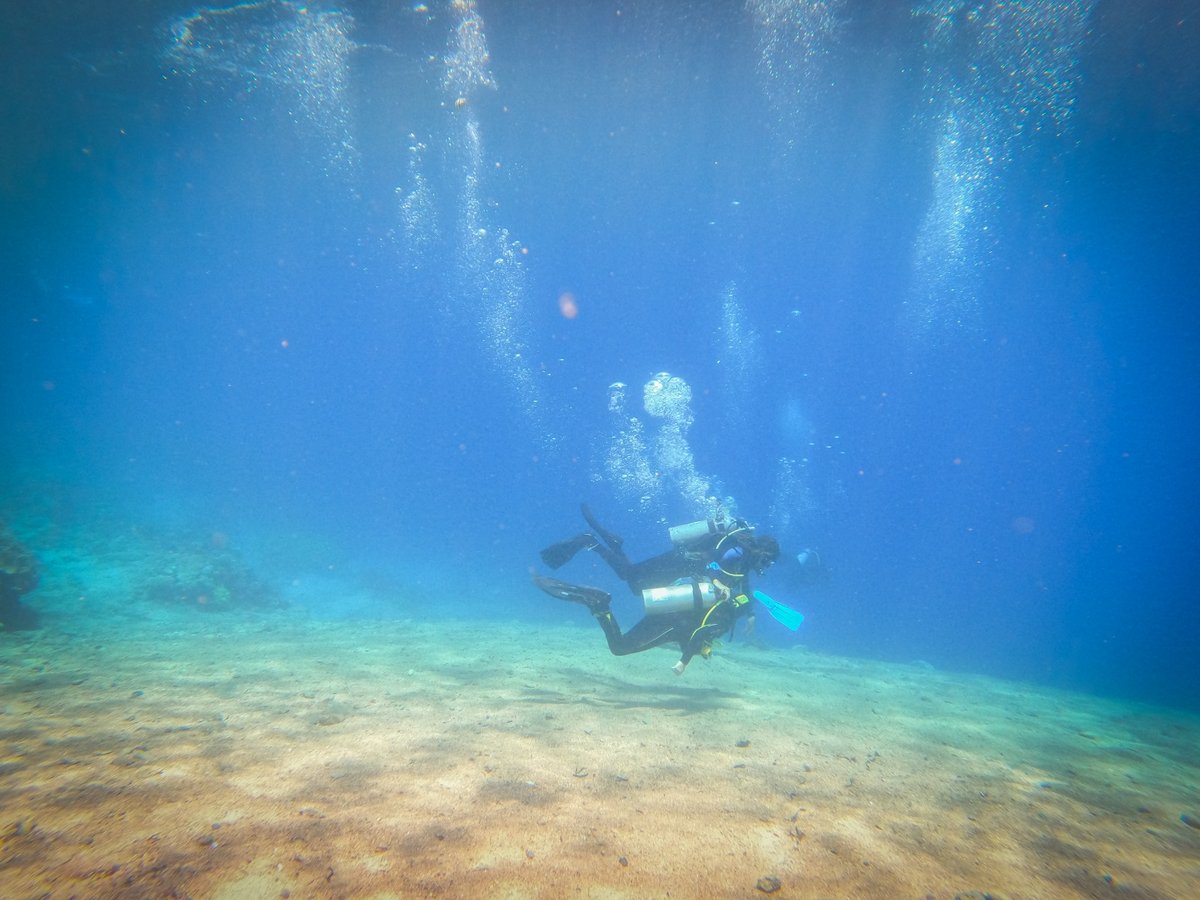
207 574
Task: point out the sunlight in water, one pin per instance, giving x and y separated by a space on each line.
996 76
302 54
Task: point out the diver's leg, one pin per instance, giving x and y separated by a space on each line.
652 631
655 571
611 538
617 561
594 599
611 550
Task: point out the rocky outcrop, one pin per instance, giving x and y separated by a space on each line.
18 576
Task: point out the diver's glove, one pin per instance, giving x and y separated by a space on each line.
679 667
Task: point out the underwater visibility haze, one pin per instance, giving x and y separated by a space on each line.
336 313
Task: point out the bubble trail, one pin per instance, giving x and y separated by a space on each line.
997 75
300 54
656 469
491 270
794 38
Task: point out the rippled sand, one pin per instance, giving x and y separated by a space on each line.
262 757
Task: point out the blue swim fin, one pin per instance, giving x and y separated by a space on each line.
784 615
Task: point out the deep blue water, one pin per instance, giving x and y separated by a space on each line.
929 273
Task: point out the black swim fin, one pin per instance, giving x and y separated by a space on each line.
558 555
594 599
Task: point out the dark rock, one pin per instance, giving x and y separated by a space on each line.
18 575
769 884
208 575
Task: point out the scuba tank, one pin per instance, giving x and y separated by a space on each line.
677 598
693 531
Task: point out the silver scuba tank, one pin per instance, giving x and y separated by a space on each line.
685 534
677 598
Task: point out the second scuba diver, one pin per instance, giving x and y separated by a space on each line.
692 593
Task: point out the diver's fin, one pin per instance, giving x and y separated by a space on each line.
594 599
613 540
557 555
784 615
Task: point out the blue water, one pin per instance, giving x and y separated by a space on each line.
929 274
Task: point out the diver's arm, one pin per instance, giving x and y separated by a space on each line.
715 622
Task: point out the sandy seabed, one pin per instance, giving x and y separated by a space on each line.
266 757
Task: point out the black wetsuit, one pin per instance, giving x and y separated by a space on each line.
689 561
693 630
713 558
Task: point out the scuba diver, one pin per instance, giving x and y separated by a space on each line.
692 593
811 567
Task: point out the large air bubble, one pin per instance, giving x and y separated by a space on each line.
627 465
655 467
